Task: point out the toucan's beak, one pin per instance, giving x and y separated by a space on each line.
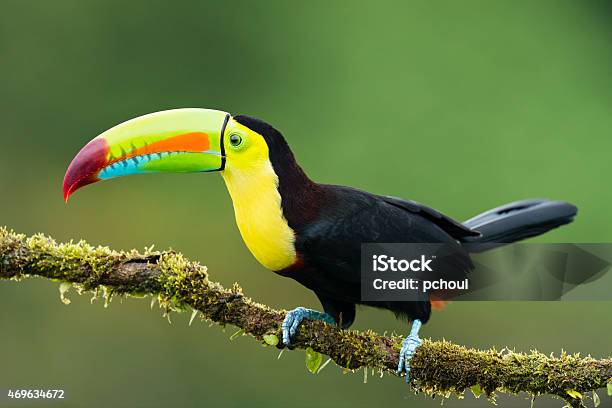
173 141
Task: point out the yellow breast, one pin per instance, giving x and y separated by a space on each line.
257 207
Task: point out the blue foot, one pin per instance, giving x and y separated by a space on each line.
409 346
294 318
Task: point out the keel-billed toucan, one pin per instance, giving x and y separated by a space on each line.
294 226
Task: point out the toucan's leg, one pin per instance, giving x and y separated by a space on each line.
294 318
409 346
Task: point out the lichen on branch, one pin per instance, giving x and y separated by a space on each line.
438 367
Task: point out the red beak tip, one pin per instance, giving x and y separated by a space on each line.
85 166
66 189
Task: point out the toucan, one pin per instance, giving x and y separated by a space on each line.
298 228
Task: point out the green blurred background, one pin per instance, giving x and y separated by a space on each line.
460 105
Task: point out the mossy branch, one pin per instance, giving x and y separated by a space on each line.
438 367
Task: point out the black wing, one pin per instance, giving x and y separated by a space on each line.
453 227
331 246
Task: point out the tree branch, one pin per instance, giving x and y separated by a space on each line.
438 367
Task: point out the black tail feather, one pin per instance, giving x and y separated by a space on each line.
517 221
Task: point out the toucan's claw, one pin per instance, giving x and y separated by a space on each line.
294 317
409 346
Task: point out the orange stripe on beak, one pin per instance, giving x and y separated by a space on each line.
193 142
187 142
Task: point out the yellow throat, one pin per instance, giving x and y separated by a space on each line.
253 187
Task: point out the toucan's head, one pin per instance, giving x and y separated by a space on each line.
177 141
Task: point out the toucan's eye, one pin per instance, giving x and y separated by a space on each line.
235 140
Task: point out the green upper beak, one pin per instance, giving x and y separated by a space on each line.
178 140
